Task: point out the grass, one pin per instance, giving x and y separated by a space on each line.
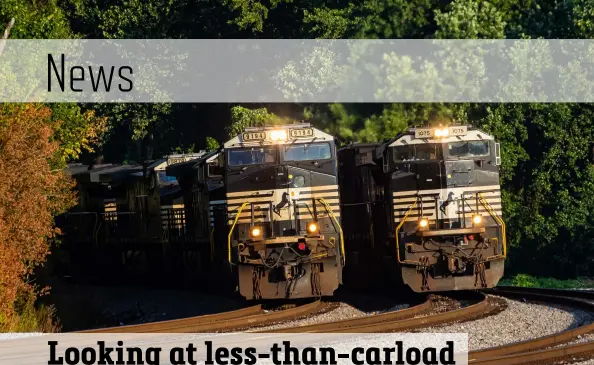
528 281
31 318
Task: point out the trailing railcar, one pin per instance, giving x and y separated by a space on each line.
425 209
130 216
284 236
203 188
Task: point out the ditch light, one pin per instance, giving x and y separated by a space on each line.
255 232
312 228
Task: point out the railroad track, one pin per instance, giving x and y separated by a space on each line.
547 349
583 294
544 349
396 321
220 322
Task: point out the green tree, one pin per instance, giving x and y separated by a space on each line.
212 144
242 117
472 19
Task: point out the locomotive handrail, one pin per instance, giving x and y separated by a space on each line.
497 219
231 230
327 207
412 206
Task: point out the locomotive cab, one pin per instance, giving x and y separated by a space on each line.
446 208
283 212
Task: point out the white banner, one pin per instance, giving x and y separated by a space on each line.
325 71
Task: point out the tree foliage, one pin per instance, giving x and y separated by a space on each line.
212 144
242 117
31 193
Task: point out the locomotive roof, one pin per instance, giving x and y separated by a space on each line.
161 164
93 174
262 135
118 173
76 168
408 137
188 166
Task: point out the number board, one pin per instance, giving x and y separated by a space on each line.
424 133
458 131
253 136
301 133
174 160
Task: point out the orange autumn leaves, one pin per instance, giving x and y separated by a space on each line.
31 193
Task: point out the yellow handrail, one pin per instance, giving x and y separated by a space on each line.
497 219
323 201
232 228
400 226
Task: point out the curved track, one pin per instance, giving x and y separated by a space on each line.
396 321
226 321
542 349
547 349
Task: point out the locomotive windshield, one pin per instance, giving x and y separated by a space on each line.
166 179
307 152
417 152
468 149
251 156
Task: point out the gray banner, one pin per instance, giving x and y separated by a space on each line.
297 71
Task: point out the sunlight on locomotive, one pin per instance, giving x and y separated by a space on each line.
278 135
442 132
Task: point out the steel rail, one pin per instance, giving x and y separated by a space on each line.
480 308
227 321
583 294
541 356
356 322
541 348
156 326
394 321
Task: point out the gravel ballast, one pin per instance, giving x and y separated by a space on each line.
586 362
519 322
342 312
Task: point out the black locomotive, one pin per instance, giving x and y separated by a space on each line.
283 214
425 209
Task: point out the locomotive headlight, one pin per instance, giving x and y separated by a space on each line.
256 232
312 227
278 135
443 132
477 219
423 223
